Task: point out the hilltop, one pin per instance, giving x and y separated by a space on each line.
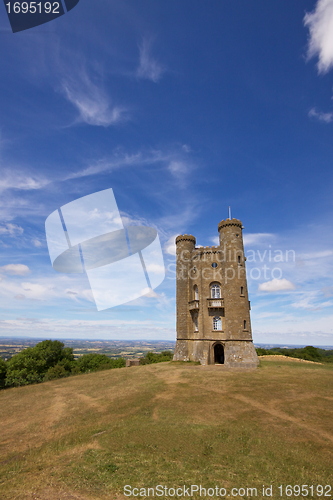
86 437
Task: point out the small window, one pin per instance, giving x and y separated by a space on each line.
196 323
217 323
239 259
216 292
244 324
214 265
196 293
242 290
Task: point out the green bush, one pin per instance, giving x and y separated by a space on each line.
261 351
153 357
93 362
57 371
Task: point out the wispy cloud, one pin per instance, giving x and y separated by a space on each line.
320 115
37 243
11 229
19 180
92 102
172 160
311 301
149 68
320 24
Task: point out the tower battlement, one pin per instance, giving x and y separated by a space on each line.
185 237
213 309
230 222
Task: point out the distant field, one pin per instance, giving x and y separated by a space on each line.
172 424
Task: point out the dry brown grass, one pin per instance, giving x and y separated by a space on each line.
85 437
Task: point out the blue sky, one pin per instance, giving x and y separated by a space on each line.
182 108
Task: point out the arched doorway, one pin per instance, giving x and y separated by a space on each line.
219 354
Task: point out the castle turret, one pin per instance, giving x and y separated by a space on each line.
213 318
185 245
237 324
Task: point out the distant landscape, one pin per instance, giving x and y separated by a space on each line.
112 348
25 363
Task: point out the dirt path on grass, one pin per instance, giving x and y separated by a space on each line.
171 380
284 416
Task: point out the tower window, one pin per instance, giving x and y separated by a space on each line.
242 290
244 324
196 323
196 293
239 259
215 292
217 323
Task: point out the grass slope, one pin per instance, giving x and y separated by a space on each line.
171 424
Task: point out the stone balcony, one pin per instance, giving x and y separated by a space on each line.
193 305
215 303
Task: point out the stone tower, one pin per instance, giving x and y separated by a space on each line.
213 309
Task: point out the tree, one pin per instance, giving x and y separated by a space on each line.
3 370
31 365
311 353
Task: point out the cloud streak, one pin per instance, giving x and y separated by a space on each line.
92 102
22 181
173 161
149 68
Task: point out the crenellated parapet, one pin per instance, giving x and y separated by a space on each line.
230 222
185 237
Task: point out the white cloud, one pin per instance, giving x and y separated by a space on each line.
149 68
276 285
155 268
16 269
37 243
92 102
11 229
320 24
170 246
256 238
320 116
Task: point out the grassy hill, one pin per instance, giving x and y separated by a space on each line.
171 424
